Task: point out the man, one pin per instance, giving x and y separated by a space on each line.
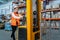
15 21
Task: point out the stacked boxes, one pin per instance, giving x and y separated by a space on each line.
58 14
48 6
47 14
43 15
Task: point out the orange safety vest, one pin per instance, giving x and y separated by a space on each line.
14 21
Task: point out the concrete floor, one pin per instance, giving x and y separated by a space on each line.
52 34
5 35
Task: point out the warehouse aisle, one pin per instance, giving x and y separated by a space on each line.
5 35
52 34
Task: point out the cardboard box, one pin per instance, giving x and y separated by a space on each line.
55 5
48 6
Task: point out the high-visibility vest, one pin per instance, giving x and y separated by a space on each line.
14 21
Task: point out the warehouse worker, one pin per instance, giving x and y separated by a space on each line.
15 21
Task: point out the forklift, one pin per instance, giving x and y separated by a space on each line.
30 25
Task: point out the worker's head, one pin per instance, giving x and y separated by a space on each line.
16 9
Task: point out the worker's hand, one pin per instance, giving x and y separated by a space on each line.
21 16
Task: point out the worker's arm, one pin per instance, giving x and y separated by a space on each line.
21 16
17 17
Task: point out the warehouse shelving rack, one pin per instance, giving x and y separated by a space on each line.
50 10
26 32
50 21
